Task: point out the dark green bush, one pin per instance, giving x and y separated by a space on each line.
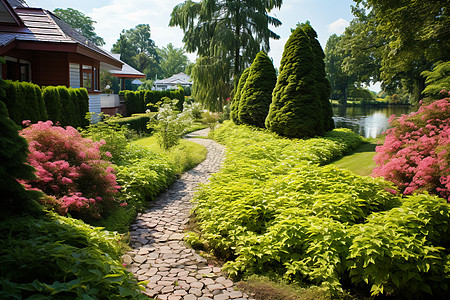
322 83
83 98
29 99
52 103
43 116
140 101
13 155
137 122
296 110
13 104
234 111
68 113
77 118
256 95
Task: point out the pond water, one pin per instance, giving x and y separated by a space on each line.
368 121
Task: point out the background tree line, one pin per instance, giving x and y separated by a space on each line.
395 42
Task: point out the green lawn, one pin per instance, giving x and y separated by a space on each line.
361 161
186 155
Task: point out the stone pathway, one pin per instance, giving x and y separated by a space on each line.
159 255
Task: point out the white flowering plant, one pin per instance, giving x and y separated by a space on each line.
169 123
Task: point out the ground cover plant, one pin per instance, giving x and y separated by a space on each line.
415 153
55 257
277 209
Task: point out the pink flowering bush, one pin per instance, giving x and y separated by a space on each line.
70 170
416 153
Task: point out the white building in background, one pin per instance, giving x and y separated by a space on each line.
172 83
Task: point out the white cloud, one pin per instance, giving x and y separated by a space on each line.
118 15
338 26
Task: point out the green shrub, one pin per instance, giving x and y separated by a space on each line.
13 104
143 177
296 110
113 136
402 251
322 83
43 116
77 117
29 99
256 95
137 122
234 113
52 103
138 102
170 124
83 98
15 198
68 113
61 258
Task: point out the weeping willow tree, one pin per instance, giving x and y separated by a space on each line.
211 82
227 35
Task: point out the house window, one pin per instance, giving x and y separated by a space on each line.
24 72
84 76
74 70
11 70
87 77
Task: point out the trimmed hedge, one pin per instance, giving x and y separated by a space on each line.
24 101
27 101
136 122
138 102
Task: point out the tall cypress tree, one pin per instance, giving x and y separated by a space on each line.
322 82
234 113
256 95
295 110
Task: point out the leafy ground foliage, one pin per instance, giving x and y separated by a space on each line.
276 209
56 257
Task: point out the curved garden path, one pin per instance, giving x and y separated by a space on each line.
159 255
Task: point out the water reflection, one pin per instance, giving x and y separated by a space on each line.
367 121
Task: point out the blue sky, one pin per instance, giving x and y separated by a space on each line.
326 17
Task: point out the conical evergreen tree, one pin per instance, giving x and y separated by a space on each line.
295 110
234 113
322 82
256 95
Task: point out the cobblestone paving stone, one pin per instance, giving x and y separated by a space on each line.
173 270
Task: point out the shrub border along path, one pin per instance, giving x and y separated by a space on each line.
159 256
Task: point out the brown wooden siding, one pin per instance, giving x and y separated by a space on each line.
50 68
